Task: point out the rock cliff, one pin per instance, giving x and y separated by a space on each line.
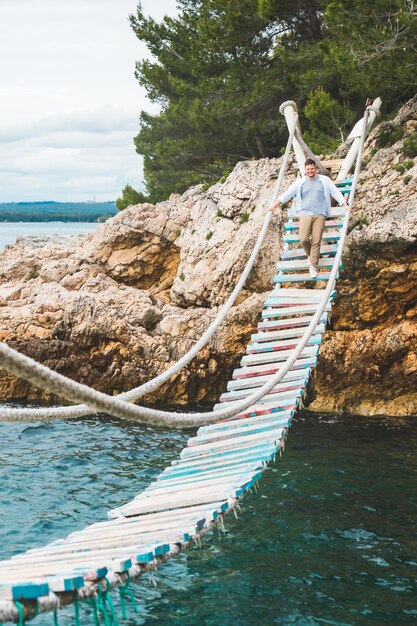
116 307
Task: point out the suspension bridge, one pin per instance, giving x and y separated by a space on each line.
234 442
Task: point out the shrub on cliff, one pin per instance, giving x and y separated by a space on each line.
129 196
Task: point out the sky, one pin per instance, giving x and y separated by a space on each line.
69 100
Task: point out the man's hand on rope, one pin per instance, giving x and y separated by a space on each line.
273 207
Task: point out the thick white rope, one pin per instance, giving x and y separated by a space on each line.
65 412
38 374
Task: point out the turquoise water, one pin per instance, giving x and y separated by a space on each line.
330 539
9 231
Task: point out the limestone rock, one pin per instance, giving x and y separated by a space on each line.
116 307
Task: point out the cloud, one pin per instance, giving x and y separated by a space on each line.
70 102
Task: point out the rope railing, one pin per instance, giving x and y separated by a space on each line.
71 412
40 375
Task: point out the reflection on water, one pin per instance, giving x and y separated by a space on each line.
329 539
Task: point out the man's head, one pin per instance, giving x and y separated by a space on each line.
311 168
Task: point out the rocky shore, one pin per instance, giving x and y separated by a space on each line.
115 307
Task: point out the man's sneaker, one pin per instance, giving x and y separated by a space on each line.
313 271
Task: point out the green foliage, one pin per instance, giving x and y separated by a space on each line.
130 196
209 235
244 217
371 46
182 277
328 121
410 147
389 135
178 232
360 223
407 179
219 213
404 166
221 68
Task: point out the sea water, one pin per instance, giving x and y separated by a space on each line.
329 539
9 231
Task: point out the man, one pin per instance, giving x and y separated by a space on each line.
312 193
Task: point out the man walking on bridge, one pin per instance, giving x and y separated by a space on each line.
313 192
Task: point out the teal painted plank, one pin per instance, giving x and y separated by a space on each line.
327 236
23 590
301 278
298 253
294 225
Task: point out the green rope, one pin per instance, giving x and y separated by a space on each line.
56 622
112 610
21 621
122 605
102 606
77 609
108 599
126 592
94 604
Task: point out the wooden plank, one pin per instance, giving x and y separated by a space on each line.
163 504
268 369
243 439
90 571
194 467
244 447
57 584
295 224
208 473
275 357
334 212
14 590
281 400
280 344
266 407
327 236
170 534
238 394
279 299
299 292
227 434
287 333
199 511
118 560
284 324
291 311
280 419
300 278
298 253
252 382
302 264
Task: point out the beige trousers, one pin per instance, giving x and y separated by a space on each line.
311 231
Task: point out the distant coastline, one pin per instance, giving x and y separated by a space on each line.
50 211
